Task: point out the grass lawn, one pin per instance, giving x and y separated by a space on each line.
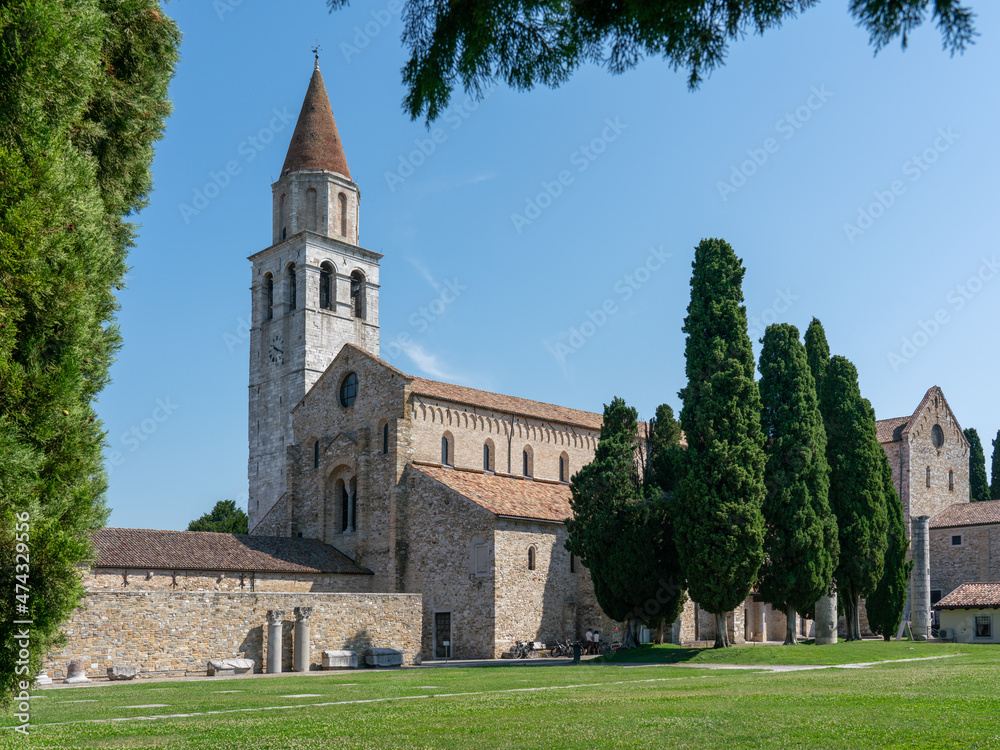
942 703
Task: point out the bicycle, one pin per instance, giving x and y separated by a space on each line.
561 649
521 650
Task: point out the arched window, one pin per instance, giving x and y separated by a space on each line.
385 438
268 296
531 558
572 563
282 217
316 455
291 286
358 293
447 452
327 295
342 200
928 476
951 480
311 209
564 468
526 462
488 456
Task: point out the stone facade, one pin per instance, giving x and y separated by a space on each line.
163 631
929 476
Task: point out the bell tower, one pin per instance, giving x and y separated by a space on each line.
313 290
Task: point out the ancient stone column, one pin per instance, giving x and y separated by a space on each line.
300 656
75 673
826 620
274 617
350 510
920 580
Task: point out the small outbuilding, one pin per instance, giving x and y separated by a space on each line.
971 613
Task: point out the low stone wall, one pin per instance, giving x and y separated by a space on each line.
169 631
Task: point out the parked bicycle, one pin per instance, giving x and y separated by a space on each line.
522 650
561 649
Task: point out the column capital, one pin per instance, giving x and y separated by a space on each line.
275 616
303 613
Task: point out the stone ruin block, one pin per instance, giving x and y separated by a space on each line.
219 667
123 672
383 657
340 660
75 673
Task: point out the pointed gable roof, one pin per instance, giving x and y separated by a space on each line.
894 429
316 143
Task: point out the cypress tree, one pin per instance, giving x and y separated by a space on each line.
719 527
817 351
801 544
82 100
886 603
995 469
664 453
856 492
623 536
979 489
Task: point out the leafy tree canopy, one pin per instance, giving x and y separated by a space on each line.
224 517
529 42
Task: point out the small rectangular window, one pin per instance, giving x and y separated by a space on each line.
572 563
984 626
316 455
956 540
951 480
935 596
385 438
928 476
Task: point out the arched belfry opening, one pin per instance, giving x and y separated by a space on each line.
358 294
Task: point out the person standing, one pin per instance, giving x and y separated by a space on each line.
589 642
597 642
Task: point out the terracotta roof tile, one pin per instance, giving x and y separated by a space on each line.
891 430
316 143
205 550
972 596
506 496
967 514
521 407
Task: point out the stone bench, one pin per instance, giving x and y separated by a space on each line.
123 672
383 657
229 666
340 660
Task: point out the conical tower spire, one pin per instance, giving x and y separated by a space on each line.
316 143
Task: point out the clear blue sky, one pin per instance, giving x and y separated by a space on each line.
778 151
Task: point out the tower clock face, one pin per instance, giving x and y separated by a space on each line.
276 351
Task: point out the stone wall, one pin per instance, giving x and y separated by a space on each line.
471 427
953 565
168 631
550 603
131 579
443 530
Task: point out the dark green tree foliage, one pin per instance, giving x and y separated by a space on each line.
719 527
979 488
856 492
665 456
83 87
995 469
530 42
800 543
225 517
817 352
622 536
886 603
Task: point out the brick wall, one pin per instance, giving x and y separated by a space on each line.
951 565
160 630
